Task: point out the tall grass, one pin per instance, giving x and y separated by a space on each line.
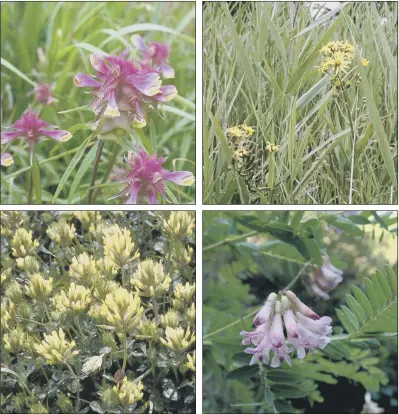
68 33
260 68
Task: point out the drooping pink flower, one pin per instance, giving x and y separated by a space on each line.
31 128
145 178
263 315
123 91
304 333
155 55
43 94
6 159
301 307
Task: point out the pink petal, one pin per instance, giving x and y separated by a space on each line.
153 198
9 136
276 331
134 191
301 307
82 80
290 323
166 94
138 43
167 71
179 177
147 83
264 314
57 134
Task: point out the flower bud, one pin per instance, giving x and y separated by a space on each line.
264 314
276 330
301 307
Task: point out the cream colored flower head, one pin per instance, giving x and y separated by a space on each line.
121 310
83 269
150 279
190 364
119 246
183 295
55 348
170 318
61 232
23 244
177 339
14 340
7 314
29 264
74 302
129 392
180 224
88 218
107 268
39 288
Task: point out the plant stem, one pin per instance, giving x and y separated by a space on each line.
95 168
124 355
298 275
78 388
155 306
229 240
47 313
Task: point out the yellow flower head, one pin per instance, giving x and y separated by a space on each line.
271 147
11 220
119 246
129 392
106 267
364 62
190 364
149 329
14 340
54 348
180 224
121 310
14 293
248 130
103 287
83 269
39 288
61 233
22 243
171 318
7 314
235 132
241 153
177 339
150 279
29 264
87 218
73 302
183 295
191 315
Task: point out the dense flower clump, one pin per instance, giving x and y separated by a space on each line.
101 302
284 314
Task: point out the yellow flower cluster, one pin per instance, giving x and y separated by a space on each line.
28 263
338 56
39 288
171 318
180 224
177 339
22 243
14 340
150 279
272 147
61 233
240 132
241 153
83 269
88 218
7 313
119 246
73 302
121 310
54 348
129 392
183 294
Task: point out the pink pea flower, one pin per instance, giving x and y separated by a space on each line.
6 159
145 178
123 91
155 55
43 94
263 315
304 333
31 128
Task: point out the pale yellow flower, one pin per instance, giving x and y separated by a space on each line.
364 62
83 269
23 244
150 279
39 288
129 392
180 224
72 302
177 339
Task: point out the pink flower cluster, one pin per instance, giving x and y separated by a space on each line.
284 312
324 279
145 178
123 90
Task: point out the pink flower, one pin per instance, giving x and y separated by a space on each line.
43 94
155 55
301 307
32 128
263 315
123 91
145 178
6 159
303 333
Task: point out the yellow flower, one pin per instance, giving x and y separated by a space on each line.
83 269
271 147
248 130
14 340
191 315
364 62
149 329
29 264
180 224
39 288
150 279
235 132
61 232
183 295
119 246
348 48
190 364
241 153
75 301
7 313
54 348
87 218
38 408
177 339
121 310
22 243
106 267
129 392
171 318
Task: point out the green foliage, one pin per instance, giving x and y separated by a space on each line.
50 42
260 68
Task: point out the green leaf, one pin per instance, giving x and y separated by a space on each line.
243 372
345 224
71 167
10 66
